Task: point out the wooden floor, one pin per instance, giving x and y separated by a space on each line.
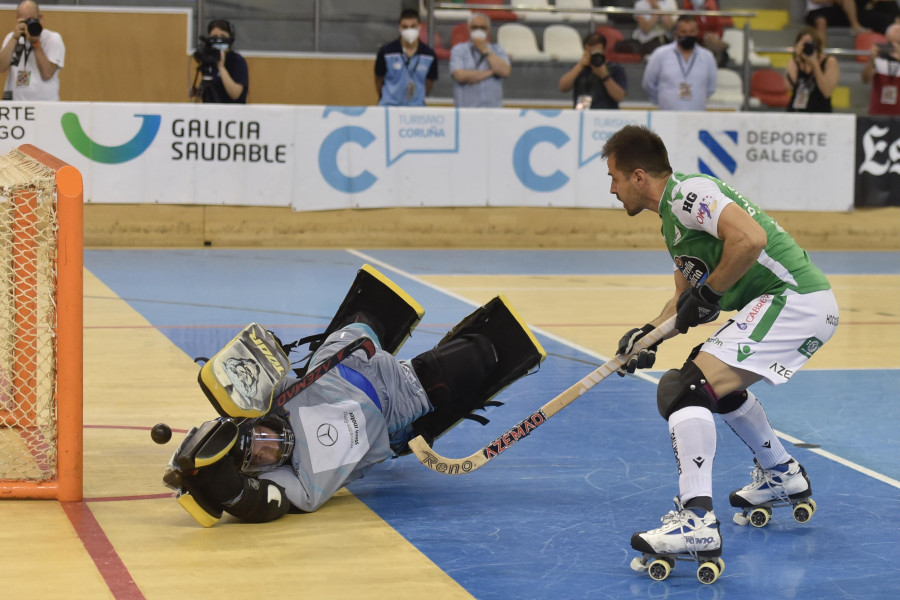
145 321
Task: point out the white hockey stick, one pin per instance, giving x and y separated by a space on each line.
458 466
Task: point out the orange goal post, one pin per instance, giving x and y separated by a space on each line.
40 326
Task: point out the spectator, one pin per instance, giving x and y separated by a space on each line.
33 56
711 29
681 75
405 69
883 70
478 67
225 78
595 83
810 74
653 30
823 14
878 15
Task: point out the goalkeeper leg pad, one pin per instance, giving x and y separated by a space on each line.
475 361
377 301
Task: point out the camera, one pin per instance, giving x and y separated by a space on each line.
34 27
809 48
208 53
597 59
884 51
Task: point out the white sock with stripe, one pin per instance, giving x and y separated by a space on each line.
693 434
750 423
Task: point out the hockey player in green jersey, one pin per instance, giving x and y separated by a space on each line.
729 255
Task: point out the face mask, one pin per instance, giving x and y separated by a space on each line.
222 47
410 35
478 35
687 42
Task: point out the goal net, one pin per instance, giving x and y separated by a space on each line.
40 326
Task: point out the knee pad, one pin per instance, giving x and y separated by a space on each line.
731 402
679 388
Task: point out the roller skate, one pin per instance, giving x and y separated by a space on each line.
783 485
687 534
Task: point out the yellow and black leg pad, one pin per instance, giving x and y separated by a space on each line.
201 447
515 352
380 303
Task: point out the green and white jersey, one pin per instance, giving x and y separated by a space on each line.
690 208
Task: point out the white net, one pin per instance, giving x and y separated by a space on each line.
28 246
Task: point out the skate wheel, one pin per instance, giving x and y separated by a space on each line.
759 517
708 572
741 519
812 503
803 512
659 569
721 564
638 564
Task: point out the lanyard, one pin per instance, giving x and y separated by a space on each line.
681 65
480 58
407 60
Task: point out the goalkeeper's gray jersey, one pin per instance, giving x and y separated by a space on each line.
339 429
690 208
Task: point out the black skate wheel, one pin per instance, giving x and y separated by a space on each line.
708 572
803 512
659 569
759 517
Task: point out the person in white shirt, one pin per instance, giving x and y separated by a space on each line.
33 56
653 30
681 75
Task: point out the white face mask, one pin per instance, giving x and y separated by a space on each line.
410 35
478 34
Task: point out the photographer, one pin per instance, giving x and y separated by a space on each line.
33 56
595 83
883 70
811 75
223 74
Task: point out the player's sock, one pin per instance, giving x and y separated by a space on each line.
749 422
693 434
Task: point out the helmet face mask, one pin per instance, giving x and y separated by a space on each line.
265 444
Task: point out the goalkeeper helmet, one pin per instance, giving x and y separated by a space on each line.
264 444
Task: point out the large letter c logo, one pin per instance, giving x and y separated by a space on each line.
328 159
522 159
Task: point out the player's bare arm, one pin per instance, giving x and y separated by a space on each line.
744 240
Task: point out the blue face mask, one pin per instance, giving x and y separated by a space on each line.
222 47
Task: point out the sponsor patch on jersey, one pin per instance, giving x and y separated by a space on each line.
694 270
809 347
744 351
335 434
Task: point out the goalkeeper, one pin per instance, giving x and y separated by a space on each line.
308 443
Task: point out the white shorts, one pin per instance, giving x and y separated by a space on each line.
773 336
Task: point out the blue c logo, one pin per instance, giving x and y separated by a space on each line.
522 159
328 159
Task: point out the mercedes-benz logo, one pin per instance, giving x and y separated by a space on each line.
327 434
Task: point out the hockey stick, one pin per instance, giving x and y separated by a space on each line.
458 466
323 367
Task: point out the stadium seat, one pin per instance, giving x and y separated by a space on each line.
613 36
496 15
865 41
768 85
598 18
519 42
441 52
545 15
443 14
735 40
459 34
562 42
730 90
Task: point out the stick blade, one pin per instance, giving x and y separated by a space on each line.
441 464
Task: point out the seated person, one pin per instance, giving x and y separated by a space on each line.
878 15
653 30
594 82
711 29
822 14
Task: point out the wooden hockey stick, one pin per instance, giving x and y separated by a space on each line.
458 466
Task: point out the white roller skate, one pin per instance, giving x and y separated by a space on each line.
783 485
690 534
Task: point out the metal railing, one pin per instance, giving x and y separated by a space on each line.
605 10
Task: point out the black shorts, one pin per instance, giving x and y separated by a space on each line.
833 14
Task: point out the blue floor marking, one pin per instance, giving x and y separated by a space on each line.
551 518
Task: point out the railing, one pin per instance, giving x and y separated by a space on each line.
607 10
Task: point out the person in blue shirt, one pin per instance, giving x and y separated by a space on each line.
406 68
478 67
681 75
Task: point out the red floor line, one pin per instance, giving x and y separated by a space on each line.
101 551
121 498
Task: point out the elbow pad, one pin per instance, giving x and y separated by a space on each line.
259 502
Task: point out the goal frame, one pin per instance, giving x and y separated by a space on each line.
68 485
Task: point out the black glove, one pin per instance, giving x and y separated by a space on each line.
220 482
640 360
695 306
